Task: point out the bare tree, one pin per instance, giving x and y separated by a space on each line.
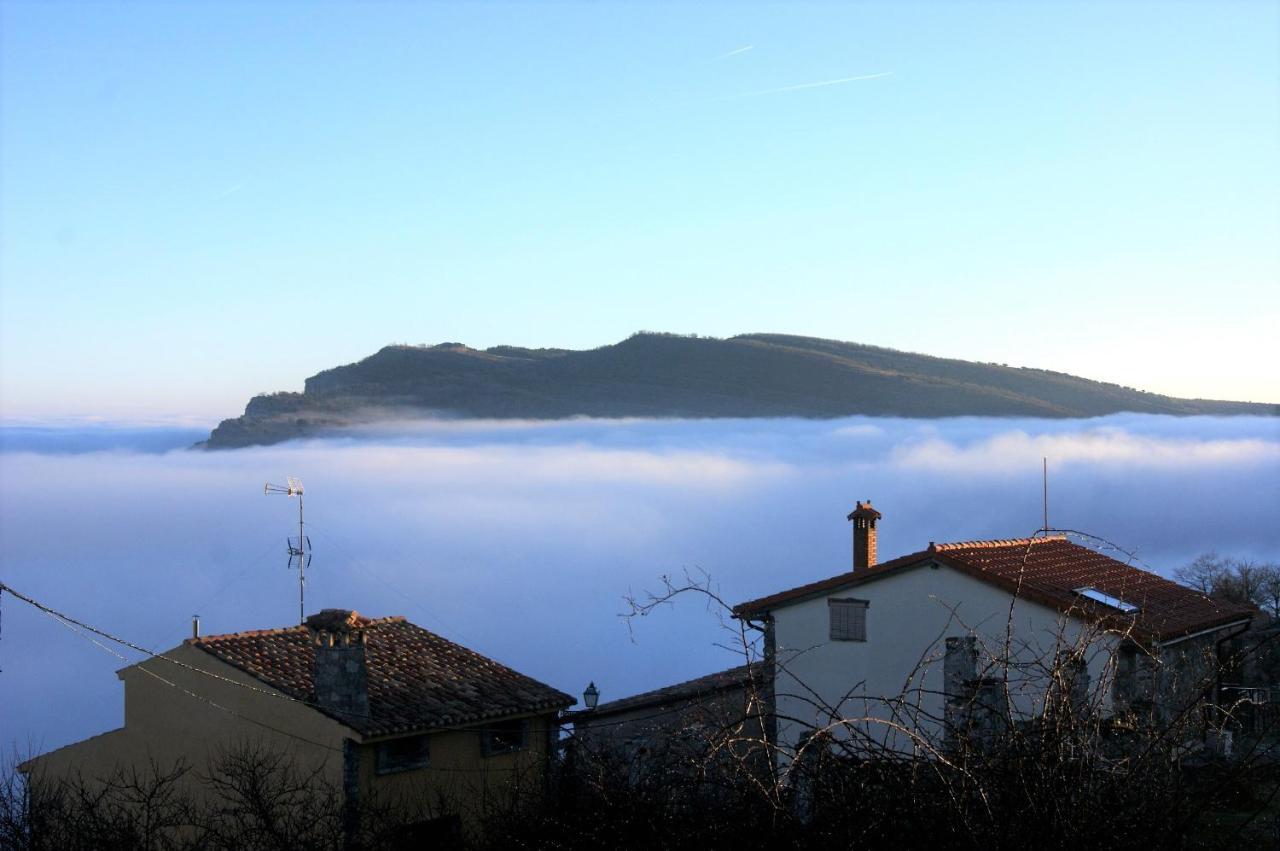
1269 589
1028 749
1206 574
1085 766
1234 580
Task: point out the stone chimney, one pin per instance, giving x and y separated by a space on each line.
341 676
864 519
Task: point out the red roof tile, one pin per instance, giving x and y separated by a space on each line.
416 679
815 589
1049 570
739 677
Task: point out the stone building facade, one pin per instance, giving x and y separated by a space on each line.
709 726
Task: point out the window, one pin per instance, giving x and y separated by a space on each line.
1107 600
403 754
848 619
504 736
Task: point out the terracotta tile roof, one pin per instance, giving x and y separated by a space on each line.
815 589
696 688
1050 570
416 679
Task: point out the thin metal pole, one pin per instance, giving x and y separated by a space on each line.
302 568
1046 494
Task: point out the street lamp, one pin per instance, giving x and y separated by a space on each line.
591 696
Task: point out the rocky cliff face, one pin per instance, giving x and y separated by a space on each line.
662 375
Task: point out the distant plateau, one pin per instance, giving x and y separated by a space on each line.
675 376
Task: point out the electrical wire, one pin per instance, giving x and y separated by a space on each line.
85 627
328 538
1103 543
261 557
187 691
125 643
177 662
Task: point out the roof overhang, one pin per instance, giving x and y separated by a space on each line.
1076 607
755 609
1168 642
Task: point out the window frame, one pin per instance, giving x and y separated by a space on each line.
487 736
849 631
387 763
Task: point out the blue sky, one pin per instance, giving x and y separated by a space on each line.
203 201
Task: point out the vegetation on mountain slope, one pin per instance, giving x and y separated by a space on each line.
666 375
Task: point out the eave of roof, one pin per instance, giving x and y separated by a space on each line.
27 766
1158 626
763 605
698 687
418 681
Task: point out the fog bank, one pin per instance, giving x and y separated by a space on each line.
519 539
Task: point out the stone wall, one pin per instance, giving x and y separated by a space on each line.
689 736
1169 684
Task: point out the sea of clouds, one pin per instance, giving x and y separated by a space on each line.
521 539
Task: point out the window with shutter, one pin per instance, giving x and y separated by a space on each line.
848 619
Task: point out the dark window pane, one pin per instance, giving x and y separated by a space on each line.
403 754
504 736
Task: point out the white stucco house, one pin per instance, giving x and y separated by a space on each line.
894 653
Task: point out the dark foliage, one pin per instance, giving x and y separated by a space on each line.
1234 581
666 375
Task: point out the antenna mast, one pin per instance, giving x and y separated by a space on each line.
300 547
1046 493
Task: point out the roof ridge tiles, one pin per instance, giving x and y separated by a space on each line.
705 684
246 633
1052 575
996 543
417 679
366 623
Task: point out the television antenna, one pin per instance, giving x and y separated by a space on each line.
299 547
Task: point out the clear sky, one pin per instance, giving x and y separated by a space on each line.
206 200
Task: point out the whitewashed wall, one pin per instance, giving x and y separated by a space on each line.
911 614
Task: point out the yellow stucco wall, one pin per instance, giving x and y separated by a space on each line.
459 779
175 719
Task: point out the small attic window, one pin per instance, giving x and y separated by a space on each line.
1107 600
848 619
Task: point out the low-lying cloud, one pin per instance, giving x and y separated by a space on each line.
519 539
1015 450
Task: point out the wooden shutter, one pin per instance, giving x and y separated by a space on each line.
848 619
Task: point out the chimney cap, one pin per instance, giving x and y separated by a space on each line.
864 509
335 620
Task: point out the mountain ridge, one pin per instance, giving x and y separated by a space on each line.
653 374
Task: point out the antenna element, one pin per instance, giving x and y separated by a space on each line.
1046 493
299 547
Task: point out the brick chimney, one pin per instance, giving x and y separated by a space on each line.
341 676
864 519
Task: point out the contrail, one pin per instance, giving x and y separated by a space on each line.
734 52
813 85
